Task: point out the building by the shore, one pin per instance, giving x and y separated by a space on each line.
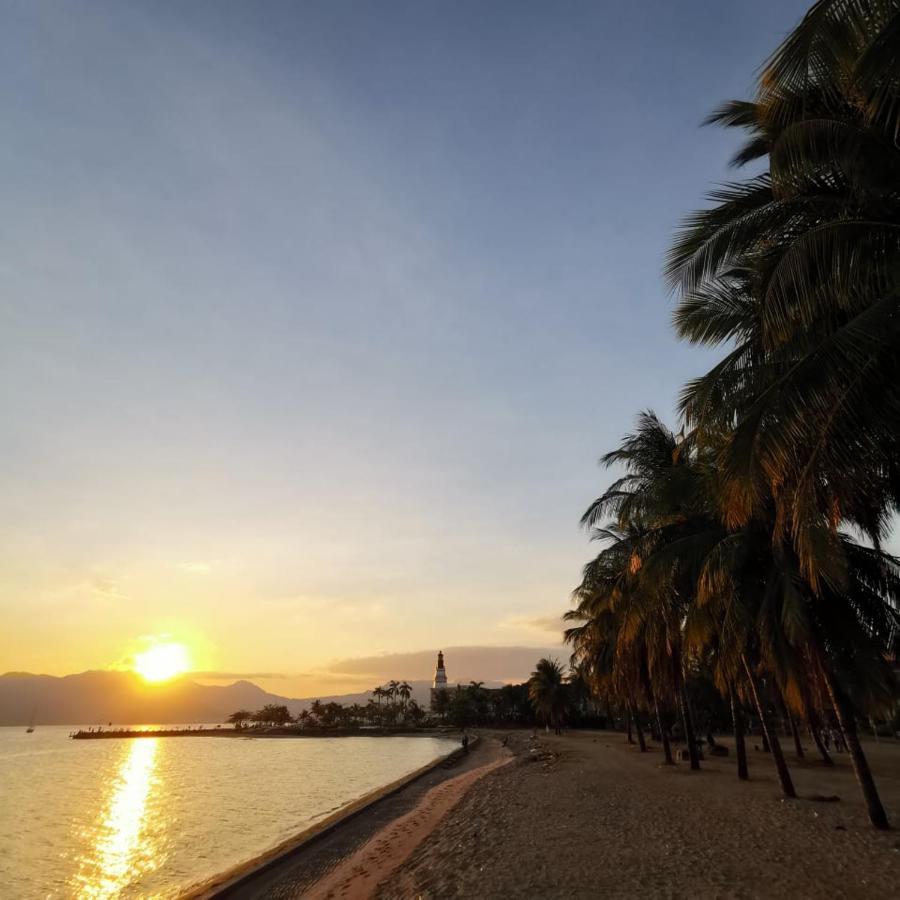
439 685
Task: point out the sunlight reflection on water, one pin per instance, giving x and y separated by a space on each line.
149 817
122 848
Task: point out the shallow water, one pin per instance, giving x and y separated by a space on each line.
152 816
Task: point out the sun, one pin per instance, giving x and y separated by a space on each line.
162 662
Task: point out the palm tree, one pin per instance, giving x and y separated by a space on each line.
797 269
405 692
660 503
273 714
240 718
546 690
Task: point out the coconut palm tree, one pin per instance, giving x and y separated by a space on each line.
546 690
662 501
392 690
241 717
797 269
646 582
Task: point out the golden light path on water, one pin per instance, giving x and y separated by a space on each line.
122 849
152 817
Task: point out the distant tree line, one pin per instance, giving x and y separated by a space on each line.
550 697
391 706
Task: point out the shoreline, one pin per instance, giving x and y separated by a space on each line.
242 878
128 733
586 815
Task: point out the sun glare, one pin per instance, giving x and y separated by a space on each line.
162 661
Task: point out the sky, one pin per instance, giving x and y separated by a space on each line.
316 316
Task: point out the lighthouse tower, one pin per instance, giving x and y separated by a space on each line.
439 685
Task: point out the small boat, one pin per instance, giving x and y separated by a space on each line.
30 727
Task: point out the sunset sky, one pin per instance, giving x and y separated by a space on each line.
315 316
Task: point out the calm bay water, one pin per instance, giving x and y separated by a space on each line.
152 816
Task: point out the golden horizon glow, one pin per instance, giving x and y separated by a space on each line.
162 662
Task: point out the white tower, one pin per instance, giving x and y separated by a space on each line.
440 678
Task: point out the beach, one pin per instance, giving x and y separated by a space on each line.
587 815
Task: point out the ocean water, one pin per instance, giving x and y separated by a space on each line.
152 816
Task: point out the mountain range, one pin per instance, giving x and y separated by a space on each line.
124 698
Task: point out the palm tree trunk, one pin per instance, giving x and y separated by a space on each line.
789 719
637 727
654 705
784 776
816 730
687 722
663 736
798 747
684 708
740 746
628 723
815 726
847 722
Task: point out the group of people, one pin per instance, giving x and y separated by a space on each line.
833 736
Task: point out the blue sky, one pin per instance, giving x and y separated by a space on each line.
317 315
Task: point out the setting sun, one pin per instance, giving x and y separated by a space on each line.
162 661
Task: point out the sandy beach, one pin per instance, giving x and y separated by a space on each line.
587 815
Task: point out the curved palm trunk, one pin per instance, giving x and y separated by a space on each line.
784 776
739 744
660 724
815 728
687 722
847 722
798 747
791 722
664 736
684 708
642 743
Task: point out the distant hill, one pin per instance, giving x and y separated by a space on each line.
124 698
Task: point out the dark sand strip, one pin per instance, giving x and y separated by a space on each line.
290 869
358 877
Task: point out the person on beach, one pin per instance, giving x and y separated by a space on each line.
839 744
465 742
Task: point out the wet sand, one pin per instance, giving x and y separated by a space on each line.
376 861
296 872
586 815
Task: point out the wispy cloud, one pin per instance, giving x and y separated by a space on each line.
107 588
463 664
544 625
197 568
